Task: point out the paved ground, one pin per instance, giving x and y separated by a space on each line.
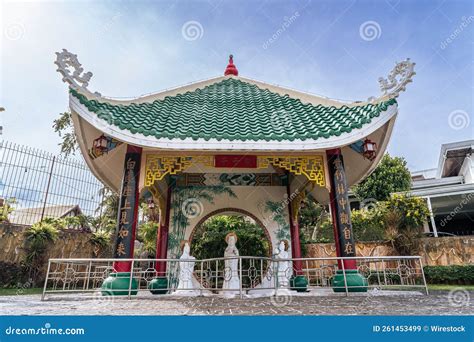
439 303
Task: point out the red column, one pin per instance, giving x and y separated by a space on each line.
294 233
340 209
162 237
128 210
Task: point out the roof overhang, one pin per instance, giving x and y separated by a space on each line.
190 144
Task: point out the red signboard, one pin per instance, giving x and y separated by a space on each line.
237 161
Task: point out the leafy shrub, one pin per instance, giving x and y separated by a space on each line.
37 239
147 233
101 241
454 274
369 225
6 209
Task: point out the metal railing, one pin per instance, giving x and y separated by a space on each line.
237 276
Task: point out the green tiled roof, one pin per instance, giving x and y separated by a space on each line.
234 110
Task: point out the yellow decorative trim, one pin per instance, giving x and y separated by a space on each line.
157 167
312 166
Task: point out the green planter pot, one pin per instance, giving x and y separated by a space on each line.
355 281
299 283
117 284
159 285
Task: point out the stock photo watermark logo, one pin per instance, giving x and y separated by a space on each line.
104 115
22 287
465 200
14 31
465 22
280 118
459 297
283 205
368 204
99 298
192 208
192 30
370 30
459 119
47 329
287 22
282 298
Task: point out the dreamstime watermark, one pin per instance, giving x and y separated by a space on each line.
368 204
109 23
279 119
287 22
192 30
46 330
459 119
282 297
103 115
465 22
14 31
99 298
22 287
282 207
459 297
466 199
370 30
192 208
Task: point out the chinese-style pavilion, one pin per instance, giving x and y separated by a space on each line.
267 145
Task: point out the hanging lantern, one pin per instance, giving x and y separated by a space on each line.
370 149
101 144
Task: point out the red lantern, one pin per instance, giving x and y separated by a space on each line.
101 144
370 149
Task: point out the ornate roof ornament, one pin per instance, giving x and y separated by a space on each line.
73 72
231 69
398 78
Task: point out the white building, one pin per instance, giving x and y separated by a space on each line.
449 189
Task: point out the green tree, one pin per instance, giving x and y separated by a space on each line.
310 218
64 127
209 238
391 175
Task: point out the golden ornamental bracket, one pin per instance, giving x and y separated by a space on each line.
157 167
310 166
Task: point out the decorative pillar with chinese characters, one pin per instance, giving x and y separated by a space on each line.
340 209
347 278
128 210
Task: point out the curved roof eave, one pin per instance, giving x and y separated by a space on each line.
231 145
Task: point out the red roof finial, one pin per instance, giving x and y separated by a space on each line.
231 69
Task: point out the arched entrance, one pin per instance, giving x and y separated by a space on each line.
207 241
233 212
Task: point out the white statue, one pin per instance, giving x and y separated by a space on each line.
231 270
186 285
282 266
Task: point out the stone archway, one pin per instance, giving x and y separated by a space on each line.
234 211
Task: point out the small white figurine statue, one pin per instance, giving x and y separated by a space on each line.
231 270
186 284
282 266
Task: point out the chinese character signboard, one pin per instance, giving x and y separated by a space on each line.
128 205
343 210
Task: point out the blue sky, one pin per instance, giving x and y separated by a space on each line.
139 47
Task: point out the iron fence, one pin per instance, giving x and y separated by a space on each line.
37 184
250 277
